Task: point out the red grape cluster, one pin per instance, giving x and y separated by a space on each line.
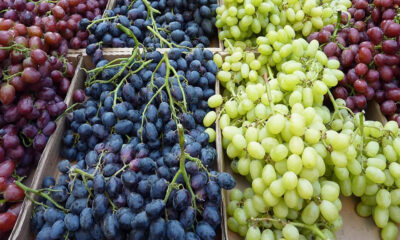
33 85
367 47
57 22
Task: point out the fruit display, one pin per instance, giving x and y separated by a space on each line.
57 22
367 47
156 24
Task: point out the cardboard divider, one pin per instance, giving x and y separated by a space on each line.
51 155
31 181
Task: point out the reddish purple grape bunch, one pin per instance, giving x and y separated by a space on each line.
367 47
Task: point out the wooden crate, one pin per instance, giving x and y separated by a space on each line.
51 156
76 60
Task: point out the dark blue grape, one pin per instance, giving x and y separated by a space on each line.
86 218
135 202
226 181
57 230
175 230
187 217
205 231
140 221
110 226
71 222
155 208
99 205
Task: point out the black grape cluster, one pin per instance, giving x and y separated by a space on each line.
185 23
127 154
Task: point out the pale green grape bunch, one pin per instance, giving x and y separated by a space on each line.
297 155
244 20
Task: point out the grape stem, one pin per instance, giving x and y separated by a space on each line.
128 32
335 106
271 103
182 169
339 17
312 228
40 193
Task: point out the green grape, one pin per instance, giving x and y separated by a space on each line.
239 141
310 213
242 230
259 204
276 187
280 210
240 215
383 198
296 145
309 174
309 157
358 185
304 188
230 131
294 163
390 231
341 173
380 216
258 186
394 169
297 124
279 152
339 159
375 175
289 180
244 166
377 162
215 101
256 150
363 210
248 193
224 121
371 189
330 191
269 198
291 198
233 225
211 133
232 205
372 148
251 134
276 123
235 194
249 209
253 233
345 187
328 210
268 174
209 119
394 213
395 196
281 167
290 232
267 234
354 167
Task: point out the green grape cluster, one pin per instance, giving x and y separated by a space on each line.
245 20
297 154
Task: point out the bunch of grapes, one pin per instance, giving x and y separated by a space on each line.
32 90
156 24
143 159
367 47
297 154
244 21
56 23
274 130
